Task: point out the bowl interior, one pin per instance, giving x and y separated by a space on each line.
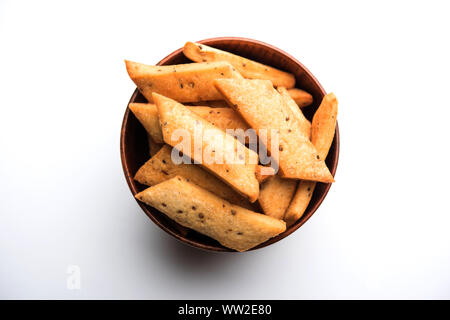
134 145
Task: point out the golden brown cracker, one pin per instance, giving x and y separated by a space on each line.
196 208
300 201
322 134
324 125
275 195
223 118
264 109
147 114
161 168
305 125
301 97
247 68
184 82
241 176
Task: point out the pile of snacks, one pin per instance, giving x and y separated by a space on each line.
196 112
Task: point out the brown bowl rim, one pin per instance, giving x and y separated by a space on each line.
289 230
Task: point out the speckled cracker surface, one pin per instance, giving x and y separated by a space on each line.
247 68
184 82
305 125
161 168
324 125
240 176
322 134
223 118
300 201
262 107
275 195
196 208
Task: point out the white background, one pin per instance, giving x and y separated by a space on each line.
382 232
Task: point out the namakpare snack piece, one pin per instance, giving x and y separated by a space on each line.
147 114
196 208
161 168
189 82
301 97
305 125
324 127
247 68
264 109
275 195
223 118
173 116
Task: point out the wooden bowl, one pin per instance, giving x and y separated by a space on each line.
134 146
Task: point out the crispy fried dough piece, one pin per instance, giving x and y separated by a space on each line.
147 115
305 125
224 118
161 168
300 201
184 82
323 129
275 195
264 109
247 68
324 125
301 97
241 176
196 208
